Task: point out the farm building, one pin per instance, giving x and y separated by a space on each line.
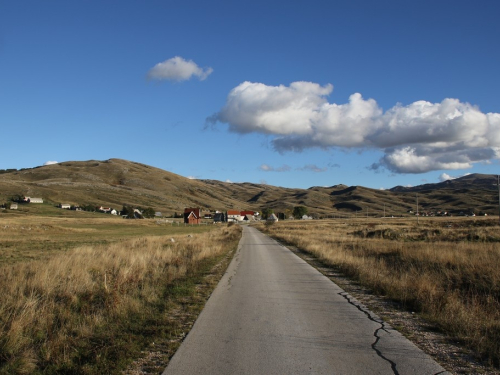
233 215
192 216
272 217
33 200
219 217
13 206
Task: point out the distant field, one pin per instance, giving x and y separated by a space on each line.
44 231
445 268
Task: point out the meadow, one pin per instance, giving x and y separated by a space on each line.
86 295
446 269
46 231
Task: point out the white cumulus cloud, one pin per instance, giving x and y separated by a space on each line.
446 177
416 138
178 69
50 162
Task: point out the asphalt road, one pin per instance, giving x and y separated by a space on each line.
272 313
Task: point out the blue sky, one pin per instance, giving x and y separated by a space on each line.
294 94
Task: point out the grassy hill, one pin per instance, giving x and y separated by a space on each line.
116 182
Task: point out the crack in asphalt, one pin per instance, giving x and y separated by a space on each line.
375 333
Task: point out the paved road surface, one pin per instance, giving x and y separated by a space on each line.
272 313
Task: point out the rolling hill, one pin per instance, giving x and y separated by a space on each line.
116 182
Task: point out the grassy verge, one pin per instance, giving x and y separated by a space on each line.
447 270
90 310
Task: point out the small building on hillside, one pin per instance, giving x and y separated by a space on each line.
33 200
66 206
234 216
13 206
219 217
249 217
272 218
192 216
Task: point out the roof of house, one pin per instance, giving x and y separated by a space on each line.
195 211
233 212
272 217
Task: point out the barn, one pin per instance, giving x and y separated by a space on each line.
192 216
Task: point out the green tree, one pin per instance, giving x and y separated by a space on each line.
128 211
299 211
148 213
266 212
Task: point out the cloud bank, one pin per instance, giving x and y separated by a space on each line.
178 69
269 168
416 138
287 168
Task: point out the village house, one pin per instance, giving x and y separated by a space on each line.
66 206
192 216
234 216
13 206
272 218
33 200
219 217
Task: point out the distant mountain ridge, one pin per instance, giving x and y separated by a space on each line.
116 182
470 181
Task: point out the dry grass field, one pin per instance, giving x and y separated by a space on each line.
446 269
33 236
84 296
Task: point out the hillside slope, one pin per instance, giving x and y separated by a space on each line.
116 182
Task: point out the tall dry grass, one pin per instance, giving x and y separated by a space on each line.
448 272
59 315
